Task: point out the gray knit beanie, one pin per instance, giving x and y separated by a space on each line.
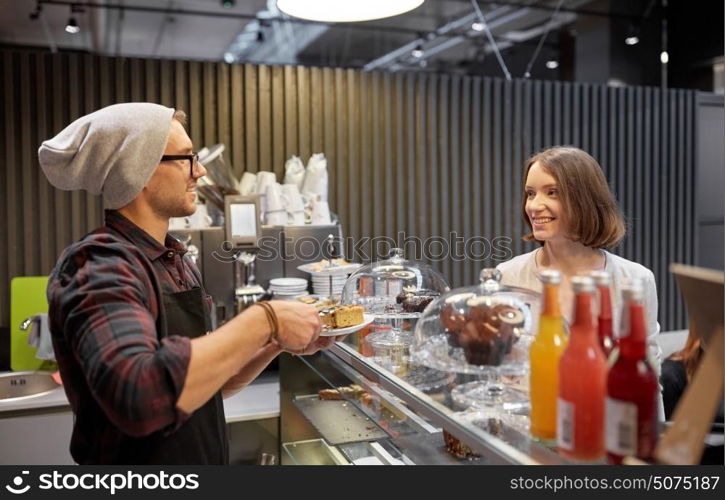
113 151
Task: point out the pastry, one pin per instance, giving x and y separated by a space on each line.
417 303
455 447
488 334
341 316
349 316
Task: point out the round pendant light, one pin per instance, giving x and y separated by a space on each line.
346 11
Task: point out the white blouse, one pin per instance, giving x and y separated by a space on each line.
522 271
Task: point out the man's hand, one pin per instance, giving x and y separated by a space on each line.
299 325
320 343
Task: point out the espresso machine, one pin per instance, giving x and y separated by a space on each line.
237 261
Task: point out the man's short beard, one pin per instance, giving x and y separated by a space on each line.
169 208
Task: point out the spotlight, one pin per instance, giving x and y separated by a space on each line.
552 64
632 37
228 57
36 13
417 52
664 57
478 26
72 26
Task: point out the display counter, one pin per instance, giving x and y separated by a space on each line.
384 418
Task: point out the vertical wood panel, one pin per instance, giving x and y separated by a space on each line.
264 120
251 127
413 153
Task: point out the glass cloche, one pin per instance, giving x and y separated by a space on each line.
394 288
474 329
396 291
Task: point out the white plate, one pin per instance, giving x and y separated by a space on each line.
333 271
367 319
288 282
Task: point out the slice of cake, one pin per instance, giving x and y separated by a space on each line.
349 316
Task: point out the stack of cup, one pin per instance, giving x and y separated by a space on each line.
264 179
275 215
248 184
320 212
294 205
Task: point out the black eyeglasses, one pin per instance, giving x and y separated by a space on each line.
193 160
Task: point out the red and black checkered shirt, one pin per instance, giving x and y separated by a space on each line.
104 297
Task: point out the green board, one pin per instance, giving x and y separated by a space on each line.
27 298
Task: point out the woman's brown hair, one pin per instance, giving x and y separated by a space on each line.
593 216
689 355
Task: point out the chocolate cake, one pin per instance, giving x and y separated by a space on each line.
486 333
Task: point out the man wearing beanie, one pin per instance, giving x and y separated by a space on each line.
128 314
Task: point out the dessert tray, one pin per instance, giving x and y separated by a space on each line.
339 267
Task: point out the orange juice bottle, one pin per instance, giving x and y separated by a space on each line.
544 357
582 382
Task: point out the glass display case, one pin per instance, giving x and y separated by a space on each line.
343 406
340 407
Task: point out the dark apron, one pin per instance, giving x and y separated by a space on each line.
202 439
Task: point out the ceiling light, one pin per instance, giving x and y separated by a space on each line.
72 26
228 57
664 57
478 26
631 40
552 64
228 4
338 11
417 52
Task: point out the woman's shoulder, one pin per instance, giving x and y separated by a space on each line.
628 268
519 271
517 263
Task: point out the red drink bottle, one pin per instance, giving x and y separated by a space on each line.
631 408
582 382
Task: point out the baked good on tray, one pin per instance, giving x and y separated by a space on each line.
342 316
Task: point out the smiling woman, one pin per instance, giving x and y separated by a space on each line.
574 216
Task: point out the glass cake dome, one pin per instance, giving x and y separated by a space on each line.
477 328
395 291
394 288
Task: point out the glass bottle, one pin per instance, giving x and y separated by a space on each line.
604 321
582 382
544 355
632 386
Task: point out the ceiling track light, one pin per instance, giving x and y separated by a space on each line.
632 37
348 11
417 51
35 15
72 26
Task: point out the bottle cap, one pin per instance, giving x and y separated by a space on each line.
550 277
583 284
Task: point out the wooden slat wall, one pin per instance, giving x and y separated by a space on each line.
422 154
